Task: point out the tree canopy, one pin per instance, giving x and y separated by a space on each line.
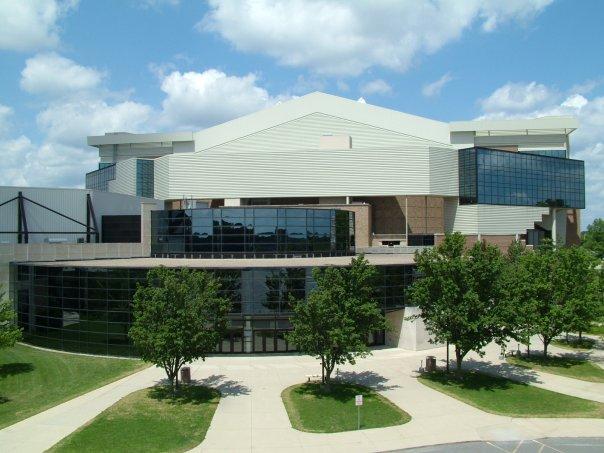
553 290
335 321
593 239
459 293
9 332
179 316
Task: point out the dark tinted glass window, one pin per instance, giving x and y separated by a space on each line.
488 176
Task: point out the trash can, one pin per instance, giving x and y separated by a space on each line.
185 375
430 363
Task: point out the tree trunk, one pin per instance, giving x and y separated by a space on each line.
448 357
580 336
528 346
545 345
567 337
322 370
458 357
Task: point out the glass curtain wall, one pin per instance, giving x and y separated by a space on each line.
488 176
252 232
88 309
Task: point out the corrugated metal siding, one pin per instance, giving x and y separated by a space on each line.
466 218
444 173
494 219
304 133
161 175
125 178
311 172
529 141
490 219
450 210
70 202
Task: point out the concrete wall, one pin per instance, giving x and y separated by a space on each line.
407 333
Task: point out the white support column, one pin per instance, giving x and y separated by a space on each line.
146 209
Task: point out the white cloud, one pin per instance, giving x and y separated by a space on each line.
68 123
46 165
31 24
434 88
77 105
5 113
305 84
518 97
339 37
530 100
156 4
377 86
54 75
196 100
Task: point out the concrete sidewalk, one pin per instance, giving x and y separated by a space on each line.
251 416
43 430
493 364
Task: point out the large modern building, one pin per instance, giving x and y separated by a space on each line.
263 199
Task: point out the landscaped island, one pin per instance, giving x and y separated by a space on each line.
150 420
572 367
33 380
311 408
502 396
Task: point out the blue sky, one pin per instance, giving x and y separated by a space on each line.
69 69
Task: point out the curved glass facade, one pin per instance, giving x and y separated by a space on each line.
251 232
88 309
488 176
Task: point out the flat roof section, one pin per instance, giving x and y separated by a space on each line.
229 263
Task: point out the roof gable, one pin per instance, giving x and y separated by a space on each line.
380 117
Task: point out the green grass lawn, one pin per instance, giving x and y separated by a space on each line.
311 409
505 397
596 329
585 344
33 380
150 420
564 366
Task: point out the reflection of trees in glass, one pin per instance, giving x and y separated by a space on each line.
230 287
284 287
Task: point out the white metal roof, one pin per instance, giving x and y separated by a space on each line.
547 124
116 138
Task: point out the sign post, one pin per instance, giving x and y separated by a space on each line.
358 401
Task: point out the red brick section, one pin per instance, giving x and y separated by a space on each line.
502 241
572 227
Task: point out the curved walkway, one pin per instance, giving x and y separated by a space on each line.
251 416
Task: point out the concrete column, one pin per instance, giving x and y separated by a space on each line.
413 332
146 209
559 226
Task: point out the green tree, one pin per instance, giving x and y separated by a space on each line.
459 294
179 316
593 239
519 314
334 323
583 292
9 332
555 289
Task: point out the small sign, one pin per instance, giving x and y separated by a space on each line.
358 400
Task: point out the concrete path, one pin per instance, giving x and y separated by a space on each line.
43 430
251 416
492 363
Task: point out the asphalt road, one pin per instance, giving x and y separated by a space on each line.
549 445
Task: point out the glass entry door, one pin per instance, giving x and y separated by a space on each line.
232 342
271 341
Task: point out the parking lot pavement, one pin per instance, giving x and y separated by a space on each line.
548 445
